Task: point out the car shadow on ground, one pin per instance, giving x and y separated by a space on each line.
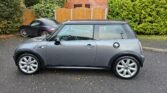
78 71
73 72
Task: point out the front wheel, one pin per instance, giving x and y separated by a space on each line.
28 64
126 67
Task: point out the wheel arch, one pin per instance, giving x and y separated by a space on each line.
132 54
19 53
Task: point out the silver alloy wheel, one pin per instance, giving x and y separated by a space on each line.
28 64
23 33
126 68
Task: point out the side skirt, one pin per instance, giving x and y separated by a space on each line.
78 67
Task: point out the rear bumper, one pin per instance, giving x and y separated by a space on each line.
15 58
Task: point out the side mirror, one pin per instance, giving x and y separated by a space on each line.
57 42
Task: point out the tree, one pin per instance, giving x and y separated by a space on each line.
9 9
9 15
61 2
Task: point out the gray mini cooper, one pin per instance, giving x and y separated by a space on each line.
99 44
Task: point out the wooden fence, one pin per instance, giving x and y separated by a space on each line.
28 16
64 14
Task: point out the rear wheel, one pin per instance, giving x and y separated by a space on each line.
23 32
126 67
28 64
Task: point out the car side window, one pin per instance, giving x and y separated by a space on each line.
108 32
76 32
35 23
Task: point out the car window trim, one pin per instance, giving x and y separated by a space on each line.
130 34
74 24
54 35
97 30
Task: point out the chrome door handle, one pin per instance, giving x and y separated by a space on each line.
90 45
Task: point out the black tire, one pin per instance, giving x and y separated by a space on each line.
23 32
117 63
28 55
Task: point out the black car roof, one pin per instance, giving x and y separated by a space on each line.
94 22
46 19
43 19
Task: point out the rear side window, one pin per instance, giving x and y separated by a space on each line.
108 32
35 23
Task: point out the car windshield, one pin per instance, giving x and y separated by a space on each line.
52 34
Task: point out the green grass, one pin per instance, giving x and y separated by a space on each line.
152 37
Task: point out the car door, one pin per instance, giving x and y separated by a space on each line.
76 48
34 28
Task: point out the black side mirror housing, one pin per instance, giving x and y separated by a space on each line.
57 42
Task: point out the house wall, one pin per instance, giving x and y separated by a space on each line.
93 3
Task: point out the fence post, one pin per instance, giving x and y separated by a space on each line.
92 9
106 13
71 14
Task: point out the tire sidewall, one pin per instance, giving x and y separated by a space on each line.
27 54
123 57
21 31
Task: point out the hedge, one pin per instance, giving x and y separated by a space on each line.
10 14
145 16
45 10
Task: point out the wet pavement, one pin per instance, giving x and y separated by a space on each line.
151 79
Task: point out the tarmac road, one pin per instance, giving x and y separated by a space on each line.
151 79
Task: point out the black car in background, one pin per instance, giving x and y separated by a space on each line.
39 27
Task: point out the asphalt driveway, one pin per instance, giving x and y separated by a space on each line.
151 79
161 44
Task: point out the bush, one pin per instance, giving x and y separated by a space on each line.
145 16
45 10
9 16
61 2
